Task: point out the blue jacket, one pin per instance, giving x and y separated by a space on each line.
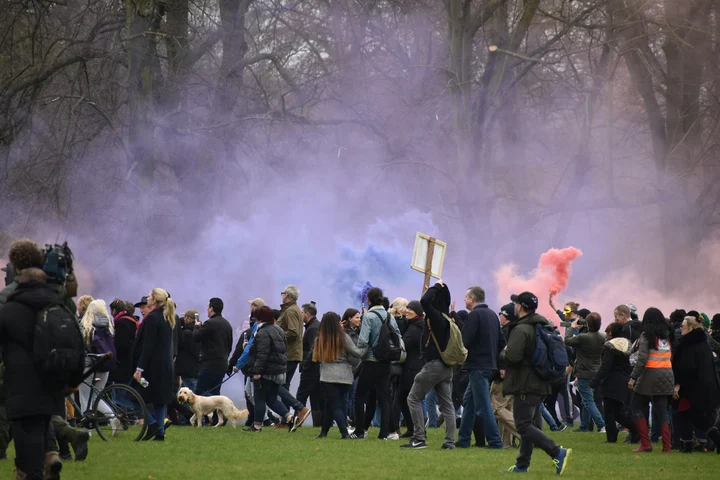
483 339
370 330
246 352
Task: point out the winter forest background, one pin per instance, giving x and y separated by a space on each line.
228 147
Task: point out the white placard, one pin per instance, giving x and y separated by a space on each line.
419 260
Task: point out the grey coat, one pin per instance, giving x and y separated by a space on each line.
652 381
341 370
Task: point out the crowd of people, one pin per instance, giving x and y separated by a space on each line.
494 376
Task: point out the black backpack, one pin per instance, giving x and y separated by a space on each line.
58 347
388 347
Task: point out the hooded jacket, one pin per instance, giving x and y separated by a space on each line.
413 346
614 373
694 371
436 304
26 390
632 330
520 376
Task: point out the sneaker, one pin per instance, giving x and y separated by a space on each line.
602 430
251 428
407 434
152 430
415 445
266 423
300 417
562 428
365 435
577 430
393 436
351 430
516 469
80 445
350 436
448 446
561 460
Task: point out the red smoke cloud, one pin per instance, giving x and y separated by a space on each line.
550 277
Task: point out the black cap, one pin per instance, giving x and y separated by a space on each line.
416 307
508 311
528 300
143 301
583 313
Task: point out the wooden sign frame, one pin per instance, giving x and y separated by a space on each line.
424 265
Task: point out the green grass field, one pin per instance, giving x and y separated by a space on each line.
221 453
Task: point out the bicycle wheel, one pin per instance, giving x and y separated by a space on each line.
119 411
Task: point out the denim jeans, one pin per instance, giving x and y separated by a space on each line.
209 382
435 375
190 383
266 395
548 417
157 414
477 402
336 397
588 399
432 411
288 400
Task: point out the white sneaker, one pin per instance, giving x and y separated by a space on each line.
393 436
116 426
351 430
365 435
602 430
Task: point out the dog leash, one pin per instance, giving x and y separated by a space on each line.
221 383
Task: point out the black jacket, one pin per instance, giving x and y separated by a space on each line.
187 362
216 342
308 367
153 352
413 346
588 352
614 374
26 390
268 352
483 339
632 330
520 376
694 371
125 331
435 302
402 323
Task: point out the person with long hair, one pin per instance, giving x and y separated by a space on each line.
652 379
267 365
333 349
153 360
350 324
696 385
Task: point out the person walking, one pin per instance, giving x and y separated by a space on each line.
652 379
527 387
153 361
332 351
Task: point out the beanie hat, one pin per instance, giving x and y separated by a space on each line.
416 307
715 324
705 321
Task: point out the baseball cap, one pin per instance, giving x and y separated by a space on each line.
415 306
508 311
143 301
583 313
528 300
258 302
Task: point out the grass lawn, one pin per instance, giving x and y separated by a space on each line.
220 453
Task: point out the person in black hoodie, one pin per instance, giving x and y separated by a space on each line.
484 341
30 400
309 370
215 337
696 384
434 374
612 380
632 327
413 362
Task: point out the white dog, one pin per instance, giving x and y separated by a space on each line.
202 406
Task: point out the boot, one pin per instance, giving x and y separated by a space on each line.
714 435
644 434
687 446
666 438
79 443
53 466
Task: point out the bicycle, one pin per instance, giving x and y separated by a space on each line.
117 408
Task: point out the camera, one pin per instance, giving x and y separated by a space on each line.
566 324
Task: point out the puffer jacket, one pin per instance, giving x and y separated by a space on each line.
520 376
341 370
653 373
588 352
693 366
268 353
614 374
